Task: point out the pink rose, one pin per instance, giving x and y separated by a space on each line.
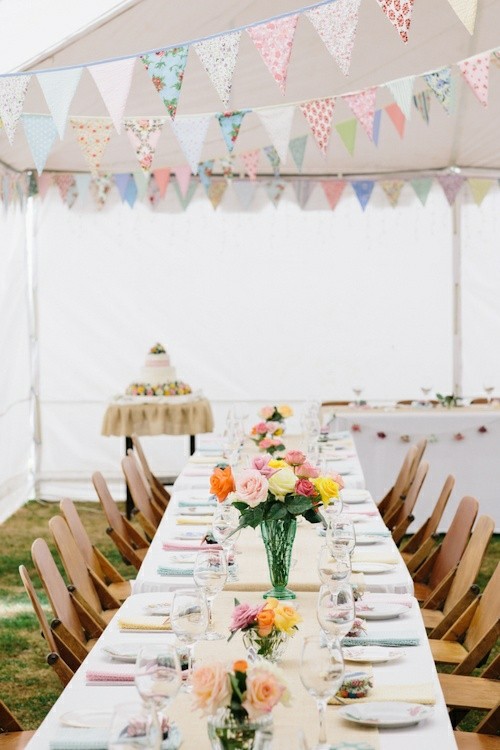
264 691
211 687
295 458
276 441
261 463
307 471
266 412
261 428
338 479
251 487
305 487
243 616
265 444
273 426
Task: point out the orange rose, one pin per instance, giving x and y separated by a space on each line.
222 483
240 666
265 622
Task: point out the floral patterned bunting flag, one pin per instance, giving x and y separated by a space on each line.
336 24
303 190
476 71
205 172
227 166
100 185
479 189
40 133
363 107
113 80
451 184
186 198
59 88
440 82
121 182
251 161
218 57
333 189
12 93
363 190
183 178
162 178
422 103
216 192
274 41
93 135
274 159
466 11
245 191
82 180
347 132
166 70
191 133
297 148
278 124
402 92
399 14
275 190
144 135
230 124
153 193
68 189
319 113
397 117
422 187
45 181
392 189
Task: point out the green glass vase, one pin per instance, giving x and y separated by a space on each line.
278 536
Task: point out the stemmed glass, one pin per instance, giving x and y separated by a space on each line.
132 728
158 680
335 610
225 522
210 575
333 565
426 389
321 673
357 390
488 389
340 532
189 619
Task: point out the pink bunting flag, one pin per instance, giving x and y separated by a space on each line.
162 178
399 14
45 181
451 184
274 41
363 108
93 135
144 135
336 24
183 177
476 72
113 80
251 162
66 184
333 189
319 113
397 117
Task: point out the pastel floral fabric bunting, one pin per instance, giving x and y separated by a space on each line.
245 191
333 189
476 72
319 113
100 185
121 182
402 91
113 80
93 134
297 148
144 135
40 133
251 161
422 187
216 192
275 190
362 106
67 188
303 190
479 188
466 11
392 189
274 159
162 178
278 124
205 172
183 178
186 198
191 133
12 93
397 117
440 82
363 190
218 57
166 70
451 184
230 124
399 14
59 88
422 102
274 40
336 24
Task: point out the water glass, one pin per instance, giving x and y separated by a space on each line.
132 728
210 575
158 680
189 619
340 532
333 566
335 610
321 673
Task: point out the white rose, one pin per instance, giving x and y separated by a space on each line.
283 482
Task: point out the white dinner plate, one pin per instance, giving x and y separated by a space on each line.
364 539
386 714
184 558
126 652
161 608
372 654
371 567
383 611
355 497
87 719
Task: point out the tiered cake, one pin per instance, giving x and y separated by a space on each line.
158 377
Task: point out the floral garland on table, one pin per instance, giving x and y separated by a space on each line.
176 388
267 625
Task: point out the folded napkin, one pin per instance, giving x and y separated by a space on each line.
71 738
194 520
172 570
196 503
424 693
371 599
171 545
354 494
109 675
212 460
367 530
394 639
355 511
361 554
144 622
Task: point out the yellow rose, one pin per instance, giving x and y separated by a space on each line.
283 482
285 410
277 463
271 603
286 618
327 488
279 431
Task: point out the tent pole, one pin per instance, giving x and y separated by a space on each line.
457 295
32 269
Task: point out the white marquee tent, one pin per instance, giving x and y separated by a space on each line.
271 303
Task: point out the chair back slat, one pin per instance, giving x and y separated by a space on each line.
137 489
469 565
487 614
82 539
141 456
411 498
110 508
8 722
440 506
402 480
455 540
74 564
38 609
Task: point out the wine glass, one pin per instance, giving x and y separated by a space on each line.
488 389
210 575
321 673
225 522
335 610
340 532
333 566
357 390
157 679
189 619
426 389
132 728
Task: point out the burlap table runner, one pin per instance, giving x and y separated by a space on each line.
189 418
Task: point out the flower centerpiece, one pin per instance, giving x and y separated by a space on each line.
267 433
238 701
276 413
266 627
271 494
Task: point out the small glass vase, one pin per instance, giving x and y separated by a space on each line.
270 647
278 536
229 732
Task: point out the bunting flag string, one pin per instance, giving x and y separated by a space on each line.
274 159
402 92
363 190
218 57
440 83
422 187
347 133
251 161
245 191
451 184
183 178
336 24
397 118
162 178
113 81
479 189
216 192
274 41
186 197
275 190
121 182
422 102
377 119
303 190
141 180
205 172
392 189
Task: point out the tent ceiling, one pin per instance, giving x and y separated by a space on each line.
468 139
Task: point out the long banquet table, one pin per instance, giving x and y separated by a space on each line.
413 674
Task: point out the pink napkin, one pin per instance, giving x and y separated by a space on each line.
94 675
356 512
371 599
171 545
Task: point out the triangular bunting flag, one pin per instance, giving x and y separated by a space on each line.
40 134
377 119
93 134
392 189
297 148
274 40
216 192
141 182
440 82
466 11
218 57
251 161
230 124
100 185
422 102
399 14
479 189
186 198
347 132
144 135
59 89
67 188
402 91
191 133
397 117
245 191
451 184
205 171
82 180
227 167
318 113
162 177
336 24
121 182
422 187
274 159
362 106
45 181
363 190
278 124
275 190
303 190
153 193
333 189
113 80
12 93
183 178
131 192
476 71
166 70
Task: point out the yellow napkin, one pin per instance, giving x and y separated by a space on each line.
424 693
375 556
144 622
194 521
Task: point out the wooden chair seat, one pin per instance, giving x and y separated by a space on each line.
422 591
91 643
449 652
15 740
461 691
431 617
473 741
120 590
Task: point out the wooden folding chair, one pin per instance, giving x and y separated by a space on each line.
96 562
130 544
161 495
398 491
485 736
463 694
73 626
435 575
158 506
147 515
12 735
62 660
474 633
442 609
88 589
401 516
422 542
